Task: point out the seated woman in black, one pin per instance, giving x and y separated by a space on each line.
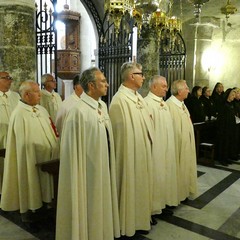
194 105
226 129
208 104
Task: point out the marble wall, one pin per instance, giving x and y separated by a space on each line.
17 40
148 56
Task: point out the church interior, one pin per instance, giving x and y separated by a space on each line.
201 46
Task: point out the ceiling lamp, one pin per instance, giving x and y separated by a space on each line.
198 6
228 9
116 9
159 22
147 8
175 24
152 14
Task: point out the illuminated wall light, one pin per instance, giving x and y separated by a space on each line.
212 60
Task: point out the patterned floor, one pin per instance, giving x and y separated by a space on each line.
215 214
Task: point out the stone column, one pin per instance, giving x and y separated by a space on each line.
148 56
198 38
68 88
17 40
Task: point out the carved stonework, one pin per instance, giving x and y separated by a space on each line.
69 59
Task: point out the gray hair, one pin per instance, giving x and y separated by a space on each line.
88 76
176 86
154 80
25 86
127 67
45 77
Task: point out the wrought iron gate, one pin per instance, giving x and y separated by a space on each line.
172 59
114 50
46 37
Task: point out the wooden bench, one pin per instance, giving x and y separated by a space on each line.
205 142
52 167
206 154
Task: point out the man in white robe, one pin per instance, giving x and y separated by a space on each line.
50 99
31 139
164 159
133 135
8 101
87 197
68 103
184 141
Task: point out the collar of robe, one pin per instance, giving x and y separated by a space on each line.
180 104
5 94
34 110
133 96
159 100
50 94
97 105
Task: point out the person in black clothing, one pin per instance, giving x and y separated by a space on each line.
226 129
236 103
195 106
217 96
208 104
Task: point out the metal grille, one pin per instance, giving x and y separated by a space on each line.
46 38
113 52
172 59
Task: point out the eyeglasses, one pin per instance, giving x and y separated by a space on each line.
7 77
139 73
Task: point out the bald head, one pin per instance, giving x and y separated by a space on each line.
30 93
158 85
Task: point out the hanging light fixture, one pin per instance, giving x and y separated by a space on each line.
174 22
152 14
198 6
159 22
228 9
147 8
116 9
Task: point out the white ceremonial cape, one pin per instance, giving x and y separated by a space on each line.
185 149
87 197
133 135
67 104
51 101
164 159
7 105
30 140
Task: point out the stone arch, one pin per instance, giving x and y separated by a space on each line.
91 8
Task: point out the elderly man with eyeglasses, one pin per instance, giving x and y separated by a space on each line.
49 98
8 101
133 134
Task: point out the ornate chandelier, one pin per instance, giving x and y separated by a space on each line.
116 10
154 14
198 6
228 9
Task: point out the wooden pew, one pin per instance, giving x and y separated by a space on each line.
52 167
205 133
